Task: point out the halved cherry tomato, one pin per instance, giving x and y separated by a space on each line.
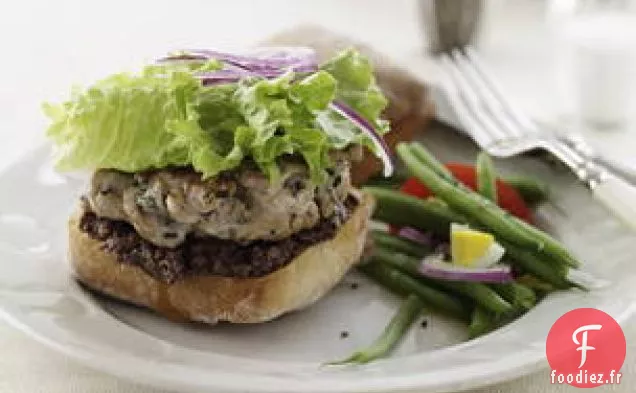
507 197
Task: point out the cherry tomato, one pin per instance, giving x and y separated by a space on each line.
507 197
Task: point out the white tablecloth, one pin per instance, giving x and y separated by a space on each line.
47 46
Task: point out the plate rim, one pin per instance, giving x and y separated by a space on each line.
143 373
379 384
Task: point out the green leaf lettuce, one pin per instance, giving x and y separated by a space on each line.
163 117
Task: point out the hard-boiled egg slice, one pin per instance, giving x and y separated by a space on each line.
472 248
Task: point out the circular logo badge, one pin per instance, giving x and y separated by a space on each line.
586 348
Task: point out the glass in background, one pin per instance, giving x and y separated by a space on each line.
450 24
598 59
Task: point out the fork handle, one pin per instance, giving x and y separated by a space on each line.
581 147
621 170
617 195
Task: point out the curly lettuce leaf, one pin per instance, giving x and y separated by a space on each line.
164 117
357 86
124 122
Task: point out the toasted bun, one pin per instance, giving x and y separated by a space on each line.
210 298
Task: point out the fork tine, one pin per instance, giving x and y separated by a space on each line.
478 65
511 118
472 101
523 124
466 118
487 98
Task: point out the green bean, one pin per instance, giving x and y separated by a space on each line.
431 162
486 177
408 312
532 264
481 294
532 191
526 260
400 244
403 284
481 323
484 321
519 295
560 254
485 212
478 292
469 204
435 215
440 204
532 282
394 181
396 208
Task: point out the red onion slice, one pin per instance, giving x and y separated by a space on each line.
435 267
382 149
295 55
264 59
415 235
234 75
183 57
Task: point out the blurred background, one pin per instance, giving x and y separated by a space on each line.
568 62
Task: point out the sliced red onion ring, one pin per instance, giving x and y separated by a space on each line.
235 75
183 57
290 55
382 149
415 235
264 59
434 267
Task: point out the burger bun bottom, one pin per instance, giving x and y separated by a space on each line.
212 298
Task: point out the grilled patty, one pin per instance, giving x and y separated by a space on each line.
205 255
165 206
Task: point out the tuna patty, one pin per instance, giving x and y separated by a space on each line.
165 206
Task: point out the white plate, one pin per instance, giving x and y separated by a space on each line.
38 296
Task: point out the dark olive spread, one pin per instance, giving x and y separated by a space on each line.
206 255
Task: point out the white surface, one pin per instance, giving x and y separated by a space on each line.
602 47
47 46
618 196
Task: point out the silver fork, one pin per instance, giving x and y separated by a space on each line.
503 131
582 147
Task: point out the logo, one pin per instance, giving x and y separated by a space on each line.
586 348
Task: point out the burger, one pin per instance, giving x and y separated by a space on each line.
221 183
